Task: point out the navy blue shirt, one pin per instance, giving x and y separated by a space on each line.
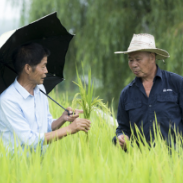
165 100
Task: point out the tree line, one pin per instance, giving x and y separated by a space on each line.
103 27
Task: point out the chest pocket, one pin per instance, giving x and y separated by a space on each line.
130 106
134 110
168 97
168 106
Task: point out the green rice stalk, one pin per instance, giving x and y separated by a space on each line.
85 98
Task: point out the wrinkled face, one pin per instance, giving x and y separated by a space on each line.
38 73
141 63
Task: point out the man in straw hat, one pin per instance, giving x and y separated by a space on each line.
153 91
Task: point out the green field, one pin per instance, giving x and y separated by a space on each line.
77 158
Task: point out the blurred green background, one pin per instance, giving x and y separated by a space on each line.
103 27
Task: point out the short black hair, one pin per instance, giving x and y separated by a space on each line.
29 53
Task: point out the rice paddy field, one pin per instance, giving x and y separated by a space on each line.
93 158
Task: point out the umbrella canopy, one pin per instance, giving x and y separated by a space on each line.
47 31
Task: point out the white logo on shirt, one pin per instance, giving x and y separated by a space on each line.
165 90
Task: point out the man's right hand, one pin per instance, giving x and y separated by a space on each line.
122 141
71 117
79 125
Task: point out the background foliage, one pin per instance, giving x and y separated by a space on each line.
105 26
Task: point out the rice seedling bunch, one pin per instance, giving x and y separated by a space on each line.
85 97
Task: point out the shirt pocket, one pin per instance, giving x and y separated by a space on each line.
168 98
167 107
134 110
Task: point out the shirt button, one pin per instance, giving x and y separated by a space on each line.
150 105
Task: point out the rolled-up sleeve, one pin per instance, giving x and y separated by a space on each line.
16 123
122 118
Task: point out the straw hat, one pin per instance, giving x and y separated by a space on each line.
145 42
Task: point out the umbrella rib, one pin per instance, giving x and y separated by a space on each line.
8 67
56 102
2 72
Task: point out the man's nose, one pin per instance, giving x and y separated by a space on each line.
46 70
134 64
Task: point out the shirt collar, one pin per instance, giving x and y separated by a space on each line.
22 90
36 89
158 74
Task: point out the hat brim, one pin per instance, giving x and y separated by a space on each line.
161 54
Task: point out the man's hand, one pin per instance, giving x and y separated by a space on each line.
122 141
79 125
71 117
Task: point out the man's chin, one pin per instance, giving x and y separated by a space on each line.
41 82
137 75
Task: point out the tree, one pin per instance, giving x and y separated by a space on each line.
105 26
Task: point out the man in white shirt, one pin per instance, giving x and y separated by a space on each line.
24 110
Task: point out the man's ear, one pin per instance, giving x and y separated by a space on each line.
27 68
153 56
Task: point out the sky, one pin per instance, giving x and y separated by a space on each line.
9 16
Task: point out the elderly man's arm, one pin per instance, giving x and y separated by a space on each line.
123 131
77 125
56 124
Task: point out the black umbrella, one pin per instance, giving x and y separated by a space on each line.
47 31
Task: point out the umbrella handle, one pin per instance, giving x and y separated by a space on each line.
69 112
57 103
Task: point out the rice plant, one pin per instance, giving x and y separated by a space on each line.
85 97
73 160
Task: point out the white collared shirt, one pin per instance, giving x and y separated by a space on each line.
24 115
